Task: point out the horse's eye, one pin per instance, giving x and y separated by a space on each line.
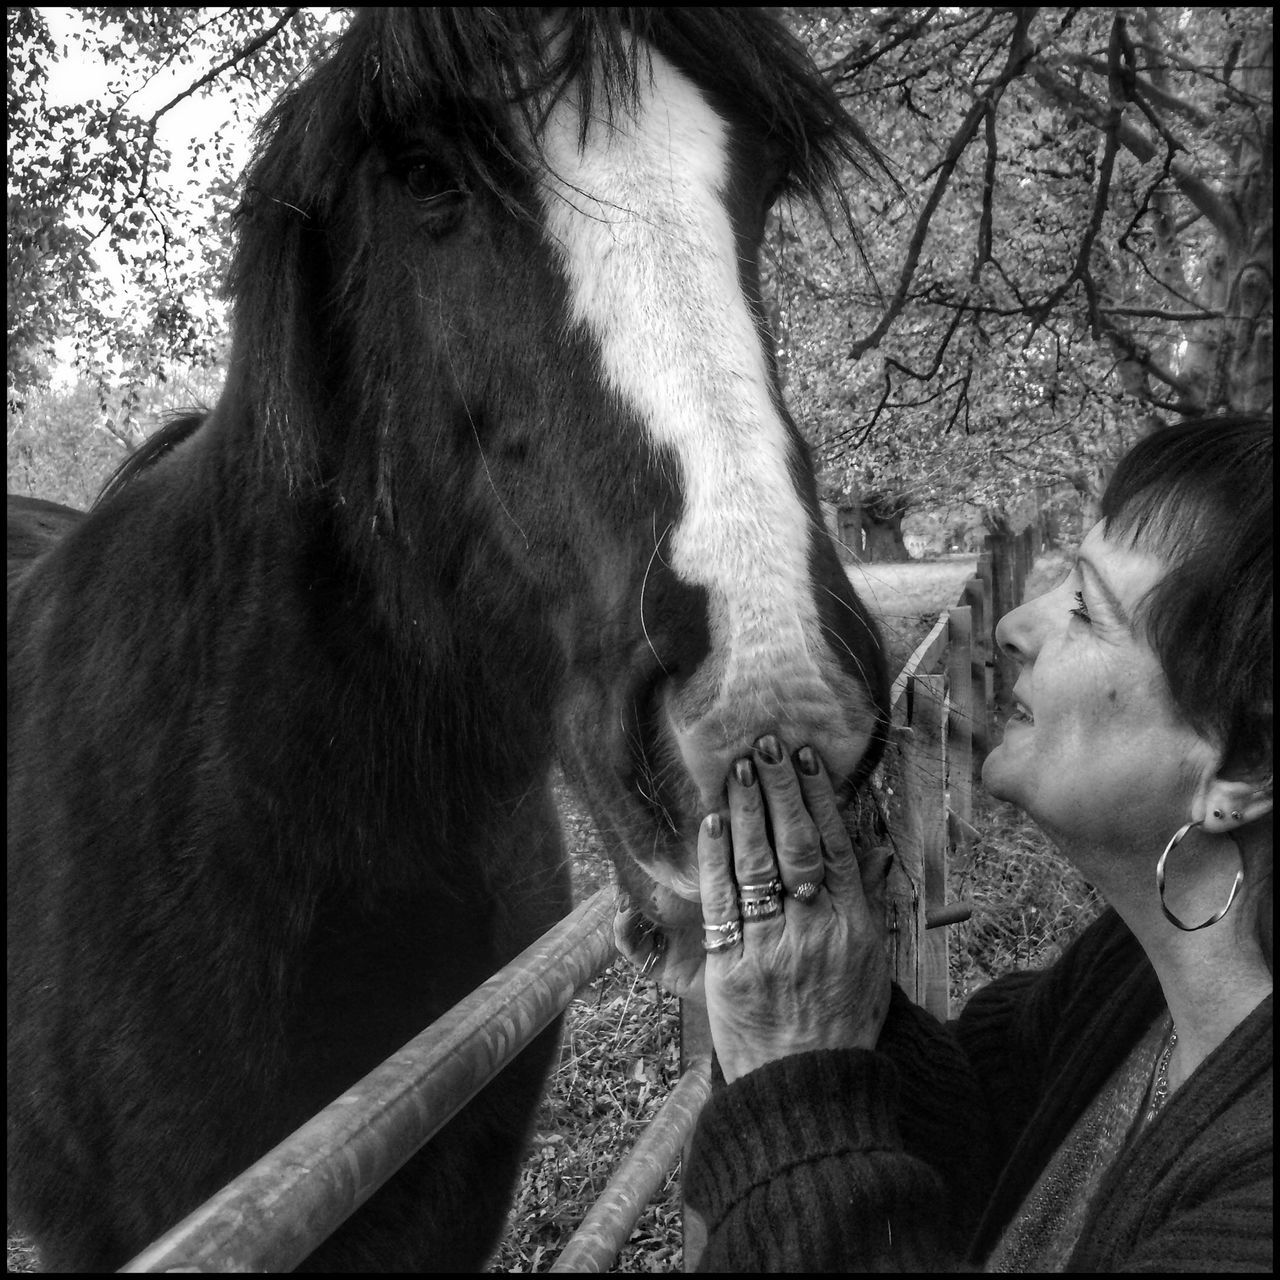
428 182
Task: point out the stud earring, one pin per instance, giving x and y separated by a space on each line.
1235 813
1217 813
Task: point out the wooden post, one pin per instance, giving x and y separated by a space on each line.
928 732
960 723
978 602
849 522
904 883
1026 542
986 571
1003 600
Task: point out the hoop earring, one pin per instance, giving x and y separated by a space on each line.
1213 919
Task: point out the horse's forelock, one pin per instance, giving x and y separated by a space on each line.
394 67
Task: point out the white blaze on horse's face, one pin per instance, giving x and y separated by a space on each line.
641 227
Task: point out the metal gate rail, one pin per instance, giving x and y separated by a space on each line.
281 1208
610 1221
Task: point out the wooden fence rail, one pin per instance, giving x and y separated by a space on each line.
280 1209
944 702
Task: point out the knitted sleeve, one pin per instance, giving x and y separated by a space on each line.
844 1160
878 1161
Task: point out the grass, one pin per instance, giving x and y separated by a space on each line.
619 1059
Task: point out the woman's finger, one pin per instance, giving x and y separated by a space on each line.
795 838
754 866
716 886
839 864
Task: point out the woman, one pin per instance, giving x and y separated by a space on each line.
1114 1111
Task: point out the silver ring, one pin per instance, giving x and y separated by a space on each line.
806 892
766 890
726 936
761 908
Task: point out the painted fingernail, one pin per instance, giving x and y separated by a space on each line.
715 827
769 748
807 761
745 772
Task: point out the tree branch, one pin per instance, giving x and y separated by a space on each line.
1191 184
1020 55
1149 90
858 60
240 55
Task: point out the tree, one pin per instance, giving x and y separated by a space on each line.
91 182
1081 250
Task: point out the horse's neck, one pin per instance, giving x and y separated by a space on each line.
421 639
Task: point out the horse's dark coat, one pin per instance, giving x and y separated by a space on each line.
281 708
34 526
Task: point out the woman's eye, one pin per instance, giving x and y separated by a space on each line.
1081 610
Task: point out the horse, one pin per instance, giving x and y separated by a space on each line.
500 476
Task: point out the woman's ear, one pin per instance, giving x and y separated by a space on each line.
1236 802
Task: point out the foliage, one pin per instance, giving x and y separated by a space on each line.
94 194
1080 249
1080 246
60 448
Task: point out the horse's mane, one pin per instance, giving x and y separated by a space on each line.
149 452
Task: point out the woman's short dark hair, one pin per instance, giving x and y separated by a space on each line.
1198 494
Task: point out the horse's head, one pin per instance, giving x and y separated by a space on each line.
726 614
554 398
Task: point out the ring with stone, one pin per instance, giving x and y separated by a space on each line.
761 908
721 937
806 891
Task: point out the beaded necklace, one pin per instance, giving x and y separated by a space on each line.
1161 1089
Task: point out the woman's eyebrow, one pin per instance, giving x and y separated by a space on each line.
1104 590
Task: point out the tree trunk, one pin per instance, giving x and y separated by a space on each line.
884 537
1228 361
849 532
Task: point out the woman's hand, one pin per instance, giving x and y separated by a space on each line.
815 975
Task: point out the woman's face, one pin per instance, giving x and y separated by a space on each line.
1095 750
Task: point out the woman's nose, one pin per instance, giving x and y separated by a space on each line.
1016 632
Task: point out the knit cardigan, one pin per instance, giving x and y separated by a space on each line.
915 1156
